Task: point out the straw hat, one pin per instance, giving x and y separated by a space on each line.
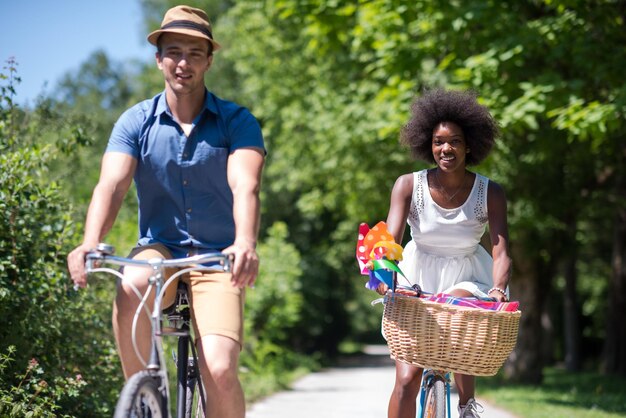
188 21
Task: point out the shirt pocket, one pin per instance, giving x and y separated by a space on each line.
208 166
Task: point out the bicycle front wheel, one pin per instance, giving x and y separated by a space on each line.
141 398
435 405
193 401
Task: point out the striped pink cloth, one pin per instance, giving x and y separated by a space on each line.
467 302
473 302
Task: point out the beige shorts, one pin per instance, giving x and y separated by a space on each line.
216 305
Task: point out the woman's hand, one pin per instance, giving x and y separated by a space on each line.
382 288
498 295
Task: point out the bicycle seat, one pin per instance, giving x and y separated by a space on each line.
178 313
181 299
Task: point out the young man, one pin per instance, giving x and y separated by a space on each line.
196 160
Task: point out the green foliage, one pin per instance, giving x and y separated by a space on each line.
33 396
98 84
332 83
273 309
274 305
330 163
561 395
43 318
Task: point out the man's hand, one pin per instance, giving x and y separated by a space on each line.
246 266
76 264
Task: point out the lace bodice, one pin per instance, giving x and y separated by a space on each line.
447 232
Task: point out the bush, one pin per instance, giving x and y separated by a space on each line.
273 309
43 318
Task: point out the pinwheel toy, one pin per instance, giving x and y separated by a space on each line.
378 254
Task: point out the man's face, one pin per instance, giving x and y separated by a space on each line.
183 60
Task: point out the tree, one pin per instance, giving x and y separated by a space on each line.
332 82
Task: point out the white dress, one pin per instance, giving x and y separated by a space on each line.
445 252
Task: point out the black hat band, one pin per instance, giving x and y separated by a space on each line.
187 24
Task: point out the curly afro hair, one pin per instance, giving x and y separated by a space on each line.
461 107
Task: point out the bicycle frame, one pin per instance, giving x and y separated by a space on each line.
156 363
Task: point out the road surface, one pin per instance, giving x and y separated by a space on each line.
357 388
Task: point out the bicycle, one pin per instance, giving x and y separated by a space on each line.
147 392
438 333
424 330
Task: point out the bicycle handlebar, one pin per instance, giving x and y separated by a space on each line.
104 254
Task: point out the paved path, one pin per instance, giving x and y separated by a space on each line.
357 388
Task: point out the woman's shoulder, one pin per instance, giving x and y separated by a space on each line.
487 180
404 184
493 186
495 192
411 178
405 180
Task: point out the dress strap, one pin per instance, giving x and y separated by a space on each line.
417 200
480 206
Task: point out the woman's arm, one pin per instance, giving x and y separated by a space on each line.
398 212
399 206
498 231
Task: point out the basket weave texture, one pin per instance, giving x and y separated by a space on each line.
448 337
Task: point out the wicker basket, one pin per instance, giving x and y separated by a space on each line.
448 337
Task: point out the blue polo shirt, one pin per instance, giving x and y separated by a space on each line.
184 198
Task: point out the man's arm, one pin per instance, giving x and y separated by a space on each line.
116 175
245 166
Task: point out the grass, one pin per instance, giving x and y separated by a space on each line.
561 395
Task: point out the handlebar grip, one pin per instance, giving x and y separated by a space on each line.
101 250
228 262
105 248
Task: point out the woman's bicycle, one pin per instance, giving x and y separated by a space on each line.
443 334
439 333
147 393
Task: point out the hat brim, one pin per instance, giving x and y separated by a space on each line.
154 36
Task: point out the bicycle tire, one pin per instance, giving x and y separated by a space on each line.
192 399
189 402
141 398
435 404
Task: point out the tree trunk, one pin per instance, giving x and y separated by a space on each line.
571 308
526 362
615 344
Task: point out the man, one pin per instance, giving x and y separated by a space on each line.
197 161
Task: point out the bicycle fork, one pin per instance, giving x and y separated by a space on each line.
429 377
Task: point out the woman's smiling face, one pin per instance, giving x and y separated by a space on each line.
449 146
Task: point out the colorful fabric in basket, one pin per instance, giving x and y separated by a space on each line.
473 302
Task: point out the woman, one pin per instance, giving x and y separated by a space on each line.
448 208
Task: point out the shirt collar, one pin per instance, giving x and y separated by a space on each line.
162 107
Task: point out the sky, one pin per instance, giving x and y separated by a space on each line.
49 38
